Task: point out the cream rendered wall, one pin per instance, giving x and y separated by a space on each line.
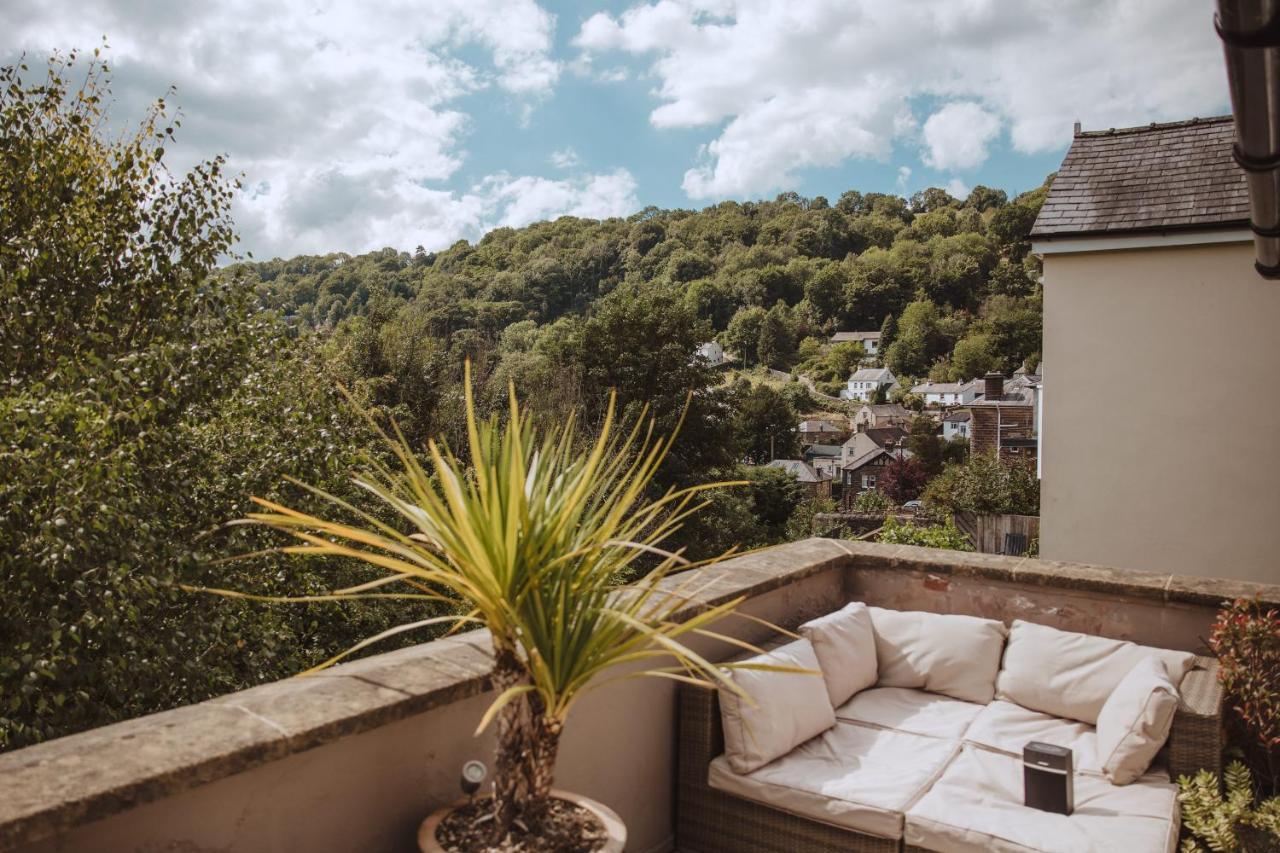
1138 340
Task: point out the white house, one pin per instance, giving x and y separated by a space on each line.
948 393
864 382
712 353
956 424
870 340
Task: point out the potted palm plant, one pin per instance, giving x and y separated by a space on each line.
532 540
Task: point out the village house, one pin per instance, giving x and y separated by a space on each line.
1147 243
865 440
825 459
870 340
815 484
712 353
1004 421
956 424
821 431
882 415
948 393
864 383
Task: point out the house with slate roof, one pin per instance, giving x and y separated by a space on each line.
1147 245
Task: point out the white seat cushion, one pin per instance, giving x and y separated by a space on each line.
957 656
908 710
1007 728
787 709
976 806
1135 721
1071 675
846 648
851 776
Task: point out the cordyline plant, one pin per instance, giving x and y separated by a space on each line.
532 539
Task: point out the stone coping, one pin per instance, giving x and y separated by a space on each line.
1031 571
50 787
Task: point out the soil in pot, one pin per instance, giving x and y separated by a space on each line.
566 828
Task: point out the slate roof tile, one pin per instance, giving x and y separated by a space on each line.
1176 175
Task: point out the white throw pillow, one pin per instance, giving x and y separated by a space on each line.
788 708
956 656
846 648
1071 675
1135 721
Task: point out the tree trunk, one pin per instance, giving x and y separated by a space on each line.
526 753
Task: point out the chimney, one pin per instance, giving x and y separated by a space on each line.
993 386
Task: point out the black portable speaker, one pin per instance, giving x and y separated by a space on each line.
1047 779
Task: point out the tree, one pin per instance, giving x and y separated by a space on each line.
764 425
973 356
926 445
776 346
902 479
888 331
142 398
743 335
985 484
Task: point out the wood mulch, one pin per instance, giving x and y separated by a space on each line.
565 828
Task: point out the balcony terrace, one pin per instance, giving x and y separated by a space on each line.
354 758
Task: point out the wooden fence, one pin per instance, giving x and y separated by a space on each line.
1000 534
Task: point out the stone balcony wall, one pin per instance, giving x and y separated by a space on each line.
354 758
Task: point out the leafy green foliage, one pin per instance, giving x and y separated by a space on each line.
945 535
1246 639
872 501
984 484
1216 822
142 400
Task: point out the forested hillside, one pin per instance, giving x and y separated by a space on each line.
572 307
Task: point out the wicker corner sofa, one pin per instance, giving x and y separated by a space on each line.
711 820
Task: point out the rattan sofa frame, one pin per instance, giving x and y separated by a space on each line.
712 821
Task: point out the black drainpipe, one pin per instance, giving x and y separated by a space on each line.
1250 32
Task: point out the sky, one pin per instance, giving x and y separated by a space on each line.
360 125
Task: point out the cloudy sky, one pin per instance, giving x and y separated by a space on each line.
396 123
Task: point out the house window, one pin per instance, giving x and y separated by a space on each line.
868 481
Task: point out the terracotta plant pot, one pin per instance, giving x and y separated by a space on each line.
615 829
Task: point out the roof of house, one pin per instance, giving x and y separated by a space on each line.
942 387
959 416
847 337
812 451
872 374
882 435
819 426
857 462
889 410
1013 396
797 468
1155 178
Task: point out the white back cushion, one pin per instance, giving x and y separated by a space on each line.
1135 720
787 709
1072 675
846 648
956 656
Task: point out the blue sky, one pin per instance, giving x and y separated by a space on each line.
426 121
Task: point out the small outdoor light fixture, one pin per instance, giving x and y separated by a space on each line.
473 773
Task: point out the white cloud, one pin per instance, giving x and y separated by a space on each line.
957 188
565 158
518 201
815 82
904 175
341 119
956 136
